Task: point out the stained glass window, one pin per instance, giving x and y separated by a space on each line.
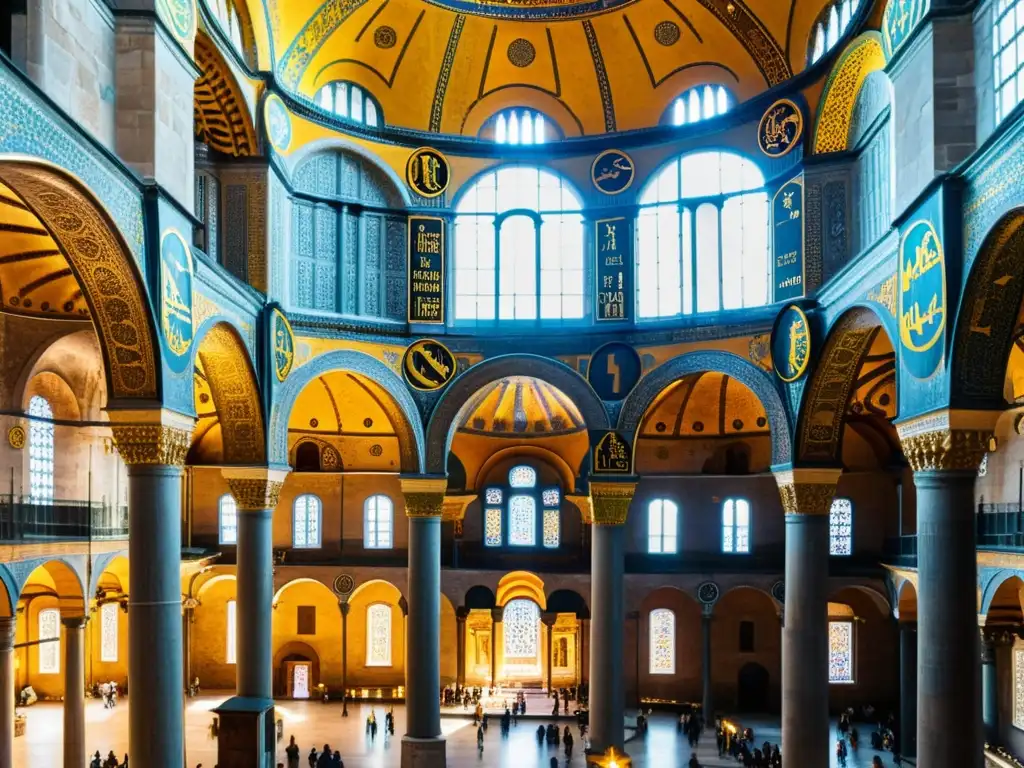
663 642
49 653
232 631
378 635
228 519
840 652
550 497
521 624
350 102
493 496
1018 687
840 527
522 521
492 527
552 526
736 526
377 524
700 103
522 477
306 522
40 451
662 527
108 632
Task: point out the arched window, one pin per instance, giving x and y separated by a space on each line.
702 237
227 517
40 450
521 626
350 102
232 631
663 642
662 527
518 125
306 522
840 652
518 248
378 635
377 522
832 27
700 103
49 652
307 457
736 526
230 22
1008 55
840 527
108 632
518 503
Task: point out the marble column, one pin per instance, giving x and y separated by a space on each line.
256 492
344 607
153 446
7 678
989 689
548 620
423 746
707 703
945 449
908 688
496 617
74 691
806 498
611 502
461 614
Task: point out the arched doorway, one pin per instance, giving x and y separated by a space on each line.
297 669
752 688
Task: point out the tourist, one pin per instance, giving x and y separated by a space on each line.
540 735
325 757
841 751
553 762
292 753
125 763
567 742
876 762
111 761
97 761
312 758
336 760
694 762
480 739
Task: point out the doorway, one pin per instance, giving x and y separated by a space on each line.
300 675
752 688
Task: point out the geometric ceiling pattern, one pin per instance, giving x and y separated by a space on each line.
521 406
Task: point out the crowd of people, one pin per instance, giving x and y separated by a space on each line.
110 762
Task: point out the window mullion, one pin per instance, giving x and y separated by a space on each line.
721 262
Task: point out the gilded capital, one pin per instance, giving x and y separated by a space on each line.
454 508
152 437
254 488
947 440
424 495
807 491
610 501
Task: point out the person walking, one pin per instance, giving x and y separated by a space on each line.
291 752
567 742
325 757
480 739
312 758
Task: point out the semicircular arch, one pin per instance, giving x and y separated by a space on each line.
536 452
859 59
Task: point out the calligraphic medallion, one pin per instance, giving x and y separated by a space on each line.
428 365
613 455
780 128
791 344
612 171
176 297
278 121
16 437
344 584
180 16
614 370
427 172
922 298
284 344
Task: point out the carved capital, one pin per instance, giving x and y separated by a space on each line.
807 491
611 501
158 437
254 488
454 508
424 495
947 440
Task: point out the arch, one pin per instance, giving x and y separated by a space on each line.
876 596
549 457
295 648
552 107
221 113
337 143
370 582
294 582
65 580
400 407
446 414
521 585
992 586
224 577
860 58
568 601
479 597
113 563
104 267
755 379
741 588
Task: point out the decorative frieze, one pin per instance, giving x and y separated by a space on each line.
947 440
610 502
152 437
807 491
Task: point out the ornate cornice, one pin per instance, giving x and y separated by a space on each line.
255 488
610 501
424 495
807 491
947 440
454 507
152 437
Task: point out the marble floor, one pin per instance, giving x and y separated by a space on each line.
315 723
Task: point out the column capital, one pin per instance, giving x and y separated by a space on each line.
424 494
454 506
8 625
610 500
807 490
1001 635
548 619
152 437
947 440
255 488
73 622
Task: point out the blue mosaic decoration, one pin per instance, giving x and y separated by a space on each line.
180 18
318 30
278 121
780 129
614 370
791 344
899 20
921 291
612 172
284 344
176 275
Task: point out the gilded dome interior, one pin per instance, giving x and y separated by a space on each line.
521 406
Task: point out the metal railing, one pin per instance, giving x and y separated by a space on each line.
1000 525
23 518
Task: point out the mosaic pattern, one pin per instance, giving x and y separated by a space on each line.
550 497
40 451
521 52
49 653
522 477
840 652
378 635
317 31
840 527
445 74
521 622
108 632
552 528
840 96
602 76
493 496
492 527
522 517
663 642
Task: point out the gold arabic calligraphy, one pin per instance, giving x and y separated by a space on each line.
915 321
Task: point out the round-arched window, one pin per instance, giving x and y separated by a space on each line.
350 102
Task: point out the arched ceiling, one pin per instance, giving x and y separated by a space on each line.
521 406
592 67
343 404
705 405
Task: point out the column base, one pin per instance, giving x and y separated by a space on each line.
423 753
605 760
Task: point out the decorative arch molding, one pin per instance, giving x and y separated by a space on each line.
536 452
99 566
443 421
879 597
214 579
521 585
295 161
861 57
400 407
987 320
297 582
991 580
104 267
221 116
67 572
754 378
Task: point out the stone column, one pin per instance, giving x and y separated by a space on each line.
908 688
74 691
153 445
7 627
806 498
423 746
496 616
989 689
461 613
707 703
255 491
548 619
944 449
611 502
344 607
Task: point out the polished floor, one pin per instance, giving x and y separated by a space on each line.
315 723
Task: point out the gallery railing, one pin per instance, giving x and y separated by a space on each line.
1000 525
23 518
